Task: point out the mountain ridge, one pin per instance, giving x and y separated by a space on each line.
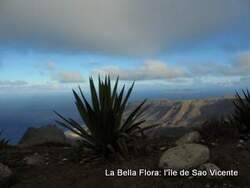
184 113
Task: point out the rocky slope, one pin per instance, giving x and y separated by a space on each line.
186 113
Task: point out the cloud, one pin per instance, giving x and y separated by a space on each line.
241 64
115 26
50 65
46 68
33 88
238 65
150 70
12 83
50 69
209 68
69 77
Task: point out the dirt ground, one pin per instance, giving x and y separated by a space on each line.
60 171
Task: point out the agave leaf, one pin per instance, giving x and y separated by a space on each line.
123 147
102 94
87 140
95 100
248 97
119 99
130 118
127 96
148 127
134 126
111 148
108 90
83 132
3 142
81 109
72 125
69 122
90 115
89 109
240 101
241 115
115 89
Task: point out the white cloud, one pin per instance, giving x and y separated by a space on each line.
114 26
50 69
239 65
12 83
33 88
150 70
69 77
51 65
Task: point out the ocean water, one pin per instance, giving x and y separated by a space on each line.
19 112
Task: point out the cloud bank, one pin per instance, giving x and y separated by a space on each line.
69 77
12 83
115 26
239 65
149 70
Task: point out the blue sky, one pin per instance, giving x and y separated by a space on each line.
52 46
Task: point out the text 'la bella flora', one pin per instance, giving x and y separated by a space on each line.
132 173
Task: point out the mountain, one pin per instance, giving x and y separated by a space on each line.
184 113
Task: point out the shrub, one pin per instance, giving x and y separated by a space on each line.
3 142
106 132
241 115
218 129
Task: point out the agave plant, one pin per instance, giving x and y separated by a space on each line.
106 130
3 142
241 115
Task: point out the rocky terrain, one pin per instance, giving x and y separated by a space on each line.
185 113
47 157
54 165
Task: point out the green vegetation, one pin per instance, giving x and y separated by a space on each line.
241 114
107 132
3 142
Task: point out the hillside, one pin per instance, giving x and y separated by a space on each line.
185 113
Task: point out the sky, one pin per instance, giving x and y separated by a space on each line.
164 45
